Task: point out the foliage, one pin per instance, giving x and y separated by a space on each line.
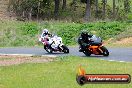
27 33
125 34
44 9
129 16
30 29
24 8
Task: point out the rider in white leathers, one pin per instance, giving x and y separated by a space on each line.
45 36
53 40
45 33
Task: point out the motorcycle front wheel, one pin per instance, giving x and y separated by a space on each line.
65 49
105 51
48 49
87 52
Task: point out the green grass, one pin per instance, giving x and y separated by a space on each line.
61 73
17 33
125 34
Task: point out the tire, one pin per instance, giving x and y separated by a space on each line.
47 49
65 49
87 53
105 51
81 80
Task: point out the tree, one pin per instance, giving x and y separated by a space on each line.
85 1
56 9
114 8
64 4
38 10
97 7
104 8
87 13
73 4
127 6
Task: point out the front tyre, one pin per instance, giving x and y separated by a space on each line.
48 49
105 51
65 49
87 52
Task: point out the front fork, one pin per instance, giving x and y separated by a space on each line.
60 46
101 49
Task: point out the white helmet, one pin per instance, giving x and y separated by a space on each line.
45 31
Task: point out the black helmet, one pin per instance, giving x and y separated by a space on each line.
84 33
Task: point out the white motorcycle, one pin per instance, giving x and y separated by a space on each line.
54 44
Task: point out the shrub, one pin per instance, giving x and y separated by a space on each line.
30 29
25 33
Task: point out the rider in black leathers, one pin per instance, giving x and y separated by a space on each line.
84 40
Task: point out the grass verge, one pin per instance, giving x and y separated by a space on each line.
61 73
17 33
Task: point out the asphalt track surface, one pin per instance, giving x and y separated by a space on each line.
116 54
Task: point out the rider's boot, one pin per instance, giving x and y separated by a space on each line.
81 49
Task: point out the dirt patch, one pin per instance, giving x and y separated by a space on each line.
125 41
13 60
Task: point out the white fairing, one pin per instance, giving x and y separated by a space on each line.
56 41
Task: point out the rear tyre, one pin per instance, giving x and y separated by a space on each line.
87 53
65 49
105 51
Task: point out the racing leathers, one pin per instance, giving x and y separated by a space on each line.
83 42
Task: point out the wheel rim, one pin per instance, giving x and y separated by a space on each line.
105 53
48 50
65 51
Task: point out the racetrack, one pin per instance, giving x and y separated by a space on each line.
116 54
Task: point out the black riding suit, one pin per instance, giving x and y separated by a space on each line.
84 41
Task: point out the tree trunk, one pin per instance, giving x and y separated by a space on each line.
104 8
114 8
56 10
87 14
23 14
38 10
30 14
64 5
97 8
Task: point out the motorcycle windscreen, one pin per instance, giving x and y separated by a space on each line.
96 39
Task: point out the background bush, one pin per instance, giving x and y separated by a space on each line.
27 33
